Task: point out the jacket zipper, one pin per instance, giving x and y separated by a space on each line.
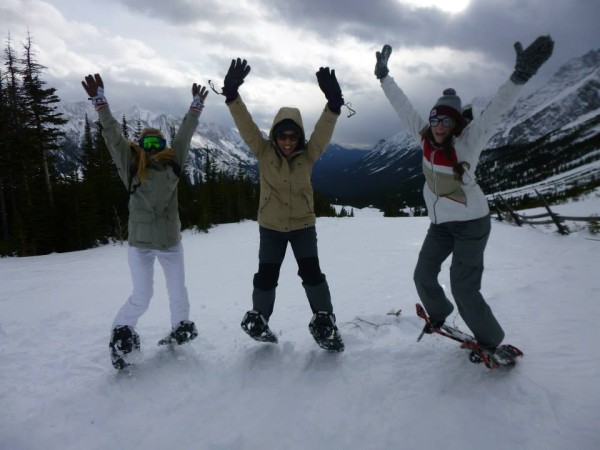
437 197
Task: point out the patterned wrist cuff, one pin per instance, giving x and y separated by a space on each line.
98 102
197 104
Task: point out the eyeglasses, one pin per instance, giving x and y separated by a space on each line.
446 122
288 137
152 143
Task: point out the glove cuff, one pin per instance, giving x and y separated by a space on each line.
197 104
520 77
230 95
381 72
99 100
335 104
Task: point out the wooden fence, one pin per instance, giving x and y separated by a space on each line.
505 212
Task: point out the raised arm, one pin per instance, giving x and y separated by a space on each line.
183 138
409 116
321 136
117 145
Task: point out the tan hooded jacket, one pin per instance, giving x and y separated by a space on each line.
286 194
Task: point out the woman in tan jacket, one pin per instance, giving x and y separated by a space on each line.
286 209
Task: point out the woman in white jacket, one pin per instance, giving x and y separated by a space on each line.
458 209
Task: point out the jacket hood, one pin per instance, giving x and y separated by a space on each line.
287 113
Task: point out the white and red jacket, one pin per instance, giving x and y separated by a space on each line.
447 199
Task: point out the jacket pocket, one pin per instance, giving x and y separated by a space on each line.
265 197
141 227
310 203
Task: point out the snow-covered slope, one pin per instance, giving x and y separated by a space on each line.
224 391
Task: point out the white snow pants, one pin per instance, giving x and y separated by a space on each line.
141 265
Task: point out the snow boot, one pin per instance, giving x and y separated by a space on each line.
123 340
186 331
323 329
256 326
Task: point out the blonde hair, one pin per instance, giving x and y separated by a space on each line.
164 157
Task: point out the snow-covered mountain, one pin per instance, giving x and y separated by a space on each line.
557 127
391 162
227 150
572 95
559 124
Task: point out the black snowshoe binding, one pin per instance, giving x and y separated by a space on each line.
186 331
504 355
432 326
123 340
323 329
256 326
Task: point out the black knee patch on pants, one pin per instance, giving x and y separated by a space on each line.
267 276
310 272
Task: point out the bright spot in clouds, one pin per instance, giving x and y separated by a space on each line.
451 6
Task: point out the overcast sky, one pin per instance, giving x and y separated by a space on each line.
150 52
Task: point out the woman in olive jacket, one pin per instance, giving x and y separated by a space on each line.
286 209
150 171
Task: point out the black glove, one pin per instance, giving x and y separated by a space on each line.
331 88
381 68
238 70
531 59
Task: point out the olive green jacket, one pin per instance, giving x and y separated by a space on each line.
153 207
286 194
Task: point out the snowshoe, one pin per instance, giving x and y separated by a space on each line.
123 341
186 331
504 355
256 326
323 329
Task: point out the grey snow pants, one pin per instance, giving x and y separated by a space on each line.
466 241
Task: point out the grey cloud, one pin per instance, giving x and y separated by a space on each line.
186 12
489 27
486 27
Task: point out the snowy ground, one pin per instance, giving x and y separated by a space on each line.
227 392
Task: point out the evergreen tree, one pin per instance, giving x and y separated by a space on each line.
89 223
172 133
43 119
16 193
4 164
125 127
42 134
138 130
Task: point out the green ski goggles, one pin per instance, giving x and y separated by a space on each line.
149 143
